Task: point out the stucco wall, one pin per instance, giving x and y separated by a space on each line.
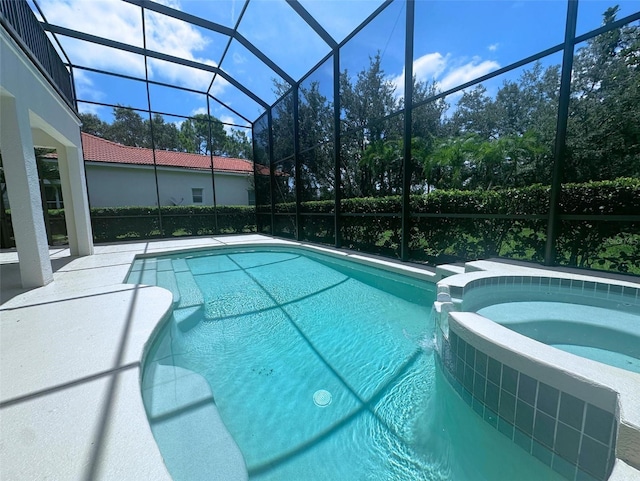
117 186
33 114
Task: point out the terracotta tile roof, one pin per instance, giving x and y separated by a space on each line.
96 149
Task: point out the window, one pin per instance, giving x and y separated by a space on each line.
197 195
252 197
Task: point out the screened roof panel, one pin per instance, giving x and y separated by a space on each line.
338 17
112 19
321 78
181 39
509 34
272 28
88 54
251 72
92 86
234 99
182 75
590 14
276 29
223 12
384 36
176 101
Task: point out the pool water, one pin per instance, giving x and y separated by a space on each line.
610 334
319 369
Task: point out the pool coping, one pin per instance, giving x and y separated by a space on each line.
539 360
70 356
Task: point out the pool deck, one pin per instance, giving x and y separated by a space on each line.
70 355
70 365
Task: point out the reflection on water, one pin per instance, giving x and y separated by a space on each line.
306 327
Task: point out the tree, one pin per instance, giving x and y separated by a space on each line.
315 120
129 128
364 105
449 165
202 134
427 127
603 139
165 135
474 114
92 124
237 144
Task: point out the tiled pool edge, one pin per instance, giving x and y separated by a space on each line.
627 474
539 365
547 422
614 291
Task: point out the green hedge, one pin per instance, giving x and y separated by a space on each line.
607 244
112 224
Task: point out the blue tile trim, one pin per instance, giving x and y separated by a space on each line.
600 290
571 436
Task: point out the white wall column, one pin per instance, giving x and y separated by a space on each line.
23 189
76 203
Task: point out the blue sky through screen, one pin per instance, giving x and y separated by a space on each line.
455 41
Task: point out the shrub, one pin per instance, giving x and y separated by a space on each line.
121 223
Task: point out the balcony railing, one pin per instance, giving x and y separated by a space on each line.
19 20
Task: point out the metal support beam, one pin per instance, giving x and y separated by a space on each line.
337 183
256 182
561 133
313 23
214 27
153 144
213 174
153 54
407 166
272 176
296 158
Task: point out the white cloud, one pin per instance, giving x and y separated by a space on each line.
199 110
120 21
427 67
112 19
238 58
90 109
493 47
447 74
466 72
85 87
173 37
182 75
229 119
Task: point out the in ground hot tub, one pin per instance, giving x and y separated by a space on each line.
597 321
579 417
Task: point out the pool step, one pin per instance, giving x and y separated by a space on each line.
180 265
190 294
143 272
167 279
446 270
164 265
187 318
181 408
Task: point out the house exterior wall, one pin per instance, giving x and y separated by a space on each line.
112 185
33 114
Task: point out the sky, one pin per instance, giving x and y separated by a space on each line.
454 42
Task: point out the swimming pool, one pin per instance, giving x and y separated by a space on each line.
318 368
598 324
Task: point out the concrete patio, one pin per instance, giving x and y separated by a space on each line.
70 357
